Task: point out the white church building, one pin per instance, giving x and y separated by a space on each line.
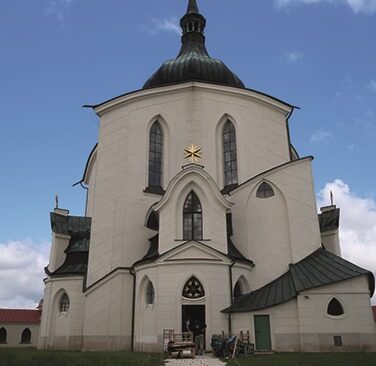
199 208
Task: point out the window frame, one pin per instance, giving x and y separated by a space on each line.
187 288
3 340
149 295
230 163
193 226
265 191
336 317
64 303
237 288
155 158
26 339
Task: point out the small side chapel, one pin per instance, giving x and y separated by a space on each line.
199 208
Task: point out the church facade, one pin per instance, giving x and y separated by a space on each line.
199 209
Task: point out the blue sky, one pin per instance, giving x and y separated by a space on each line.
59 55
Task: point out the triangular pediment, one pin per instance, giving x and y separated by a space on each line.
194 251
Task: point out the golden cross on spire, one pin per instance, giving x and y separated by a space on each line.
192 153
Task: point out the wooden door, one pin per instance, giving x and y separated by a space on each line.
262 333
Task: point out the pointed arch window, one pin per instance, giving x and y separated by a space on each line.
3 336
193 289
155 155
230 158
192 218
335 308
241 287
150 293
64 303
265 190
237 290
26 336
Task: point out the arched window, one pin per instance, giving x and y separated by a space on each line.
193 289
64 303
155 155
335 308
192 218
264 191
230 159
149 294
3 336
237 290
26 336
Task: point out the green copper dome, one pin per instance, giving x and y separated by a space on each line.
193 62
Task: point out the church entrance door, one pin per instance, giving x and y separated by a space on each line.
262 333
194 315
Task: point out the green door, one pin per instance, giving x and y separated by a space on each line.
262 332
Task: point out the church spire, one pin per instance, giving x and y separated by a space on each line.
193 61
193 21
192 7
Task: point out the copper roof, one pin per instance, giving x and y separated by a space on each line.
20 316
193 62
77 252
318 269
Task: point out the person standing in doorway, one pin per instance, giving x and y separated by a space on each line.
199 332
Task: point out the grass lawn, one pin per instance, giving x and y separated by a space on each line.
32 357
308 359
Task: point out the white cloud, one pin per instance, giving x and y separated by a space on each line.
337 96
163 25
352 147
21 273
169 25
357 6
294 56
321 135
372 86
55 8
357 224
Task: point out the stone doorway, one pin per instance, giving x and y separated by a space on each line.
195 315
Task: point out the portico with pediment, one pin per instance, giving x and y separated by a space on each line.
190 275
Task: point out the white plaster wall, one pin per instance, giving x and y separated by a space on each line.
192 112
90 182
168 280
356 326
59 243
44 321
284 325
147 334
302 324
213 205
62 330
287 245
108 313
14 332
243 273
269 236
330 239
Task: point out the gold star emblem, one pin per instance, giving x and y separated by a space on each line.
192 153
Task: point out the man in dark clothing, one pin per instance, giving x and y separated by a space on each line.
199 333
